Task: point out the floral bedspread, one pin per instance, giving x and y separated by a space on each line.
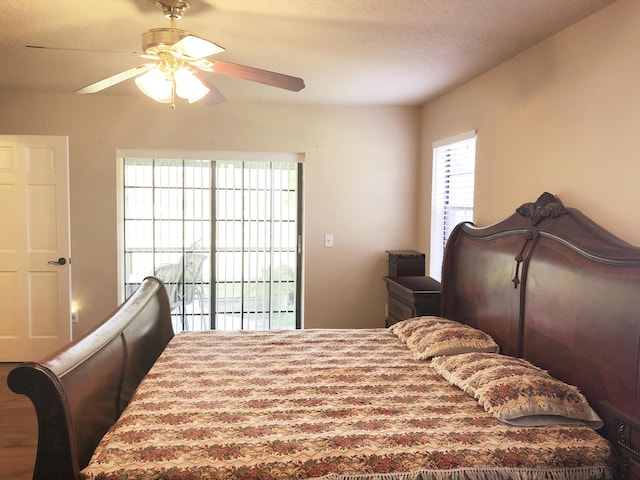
323 404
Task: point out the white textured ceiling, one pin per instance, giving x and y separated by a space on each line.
395 52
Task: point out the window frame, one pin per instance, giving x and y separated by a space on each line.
214 157
448 154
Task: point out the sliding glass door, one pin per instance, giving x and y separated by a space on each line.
224 237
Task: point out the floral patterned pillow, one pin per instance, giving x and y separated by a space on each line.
429 337
515 391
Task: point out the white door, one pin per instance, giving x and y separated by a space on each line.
35 275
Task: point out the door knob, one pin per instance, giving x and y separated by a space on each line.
60 261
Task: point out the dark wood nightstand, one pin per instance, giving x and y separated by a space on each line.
411 296
623 428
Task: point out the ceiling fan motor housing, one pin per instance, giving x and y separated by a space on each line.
159 40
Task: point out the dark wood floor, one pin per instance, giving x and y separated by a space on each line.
18 431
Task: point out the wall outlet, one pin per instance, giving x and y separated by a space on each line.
75 316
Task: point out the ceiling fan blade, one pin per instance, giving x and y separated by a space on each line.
215 96
83 50
193 47
117 78
253 74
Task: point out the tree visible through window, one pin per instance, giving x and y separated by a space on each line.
454 161
222 235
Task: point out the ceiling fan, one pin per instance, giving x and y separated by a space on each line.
180 59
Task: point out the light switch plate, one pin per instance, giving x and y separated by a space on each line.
328 240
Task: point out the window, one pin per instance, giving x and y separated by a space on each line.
223 235
454 161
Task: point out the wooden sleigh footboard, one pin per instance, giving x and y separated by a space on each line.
79 391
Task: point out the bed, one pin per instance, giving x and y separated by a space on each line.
547 287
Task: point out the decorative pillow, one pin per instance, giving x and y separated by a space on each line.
515 391
430 337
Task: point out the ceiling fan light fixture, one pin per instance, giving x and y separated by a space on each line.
188 86
183 59
156 85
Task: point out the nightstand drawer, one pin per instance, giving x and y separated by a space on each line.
428 303
412 297
399 310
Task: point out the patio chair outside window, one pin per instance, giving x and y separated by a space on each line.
183 281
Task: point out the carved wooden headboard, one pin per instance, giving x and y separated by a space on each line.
552 286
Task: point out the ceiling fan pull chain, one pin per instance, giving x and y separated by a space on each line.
173 92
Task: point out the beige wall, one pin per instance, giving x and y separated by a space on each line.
562 117
359 184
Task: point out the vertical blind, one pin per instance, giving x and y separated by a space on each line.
451 193
256 224
222 236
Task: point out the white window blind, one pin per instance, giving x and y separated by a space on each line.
454 161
